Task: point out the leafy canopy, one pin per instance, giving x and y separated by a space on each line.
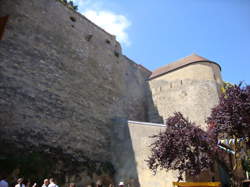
182 146
231 117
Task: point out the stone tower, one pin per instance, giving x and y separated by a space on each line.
190 85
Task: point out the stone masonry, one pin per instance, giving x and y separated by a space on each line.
63 81
67 92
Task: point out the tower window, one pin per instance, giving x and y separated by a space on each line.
3 21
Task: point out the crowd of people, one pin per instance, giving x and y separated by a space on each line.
50 183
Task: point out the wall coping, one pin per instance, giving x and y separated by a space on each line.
146 123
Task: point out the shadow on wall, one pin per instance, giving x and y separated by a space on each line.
123 157
153 115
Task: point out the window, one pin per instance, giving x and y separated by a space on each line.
116 54
214 77
107 41
72 18
3 21
88 37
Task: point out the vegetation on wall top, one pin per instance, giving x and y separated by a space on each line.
69 4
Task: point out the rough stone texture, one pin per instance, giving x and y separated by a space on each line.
62 82
192 90
66 92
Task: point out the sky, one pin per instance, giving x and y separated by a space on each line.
155 33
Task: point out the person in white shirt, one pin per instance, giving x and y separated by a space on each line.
45 183
121 184
3 183
20 183
52 183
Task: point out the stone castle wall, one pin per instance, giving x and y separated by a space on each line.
66 86
192 90
63 81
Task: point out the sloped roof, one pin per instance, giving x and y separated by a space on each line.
193 58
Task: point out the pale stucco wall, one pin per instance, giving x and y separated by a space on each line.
140 135
192 90
131 151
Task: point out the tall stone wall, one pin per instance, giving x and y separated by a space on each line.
192 90
63 80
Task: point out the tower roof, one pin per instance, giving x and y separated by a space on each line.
193 58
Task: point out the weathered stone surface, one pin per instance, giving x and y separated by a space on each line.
192 90
62 83
67 91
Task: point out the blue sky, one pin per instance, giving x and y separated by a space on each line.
155 33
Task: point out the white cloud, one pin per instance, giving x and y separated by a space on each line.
88 4
113 23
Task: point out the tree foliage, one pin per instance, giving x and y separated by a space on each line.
185 147
231 118
182 146
70 4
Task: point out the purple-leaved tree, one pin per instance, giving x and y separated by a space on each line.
230 119
183 147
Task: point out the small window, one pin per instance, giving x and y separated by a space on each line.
89 37
116 54
3 21
72 18
107 41
214 77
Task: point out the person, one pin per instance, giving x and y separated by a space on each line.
45 183
72 185
121 184
52 183
20 183
3 183
98 183
28 183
